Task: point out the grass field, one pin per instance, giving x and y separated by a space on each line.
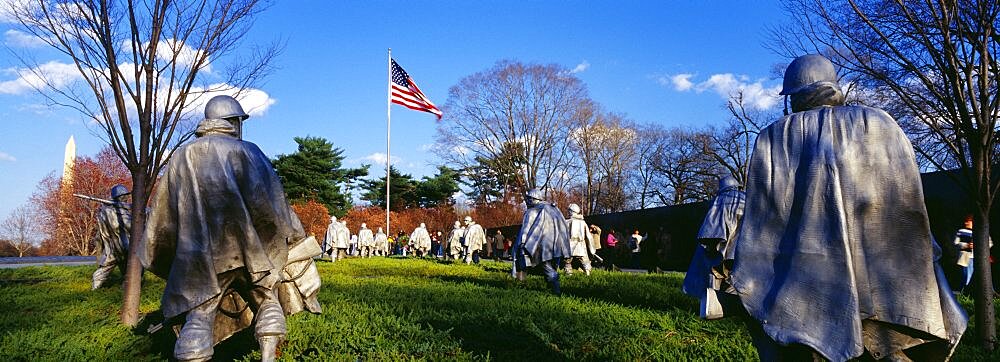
388 309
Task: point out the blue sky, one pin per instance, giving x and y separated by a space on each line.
669 63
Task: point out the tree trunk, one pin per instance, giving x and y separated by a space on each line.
132 287
985 319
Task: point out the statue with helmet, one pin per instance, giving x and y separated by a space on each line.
581 243
473 239
114 227
421 240
834 257
542 241
711 265
336 240
380 243
366 241
222 234
454 242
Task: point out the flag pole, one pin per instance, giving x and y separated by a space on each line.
388 123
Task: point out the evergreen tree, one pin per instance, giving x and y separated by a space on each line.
403 193
438 190
315 172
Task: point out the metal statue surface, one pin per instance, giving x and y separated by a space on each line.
421 240
223 236
455 241
835 251
711 264
581 243
473 238
114 227
336 239
542 241
343 241
366 241
381 243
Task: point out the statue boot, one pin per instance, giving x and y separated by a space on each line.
195 340
552 276
270 329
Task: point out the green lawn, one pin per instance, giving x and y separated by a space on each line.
399 309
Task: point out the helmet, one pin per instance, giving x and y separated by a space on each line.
535 194
574 208
422 226
728 182
333 218
364 225
458 224
468 219
806 70
119 190
222 107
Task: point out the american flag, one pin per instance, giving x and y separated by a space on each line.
406 93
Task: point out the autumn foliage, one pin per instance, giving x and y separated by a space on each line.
69 223
436 218
439 218
314 217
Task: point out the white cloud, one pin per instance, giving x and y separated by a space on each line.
378 158
681 82
7 157
427 147
55 73
173 50
20 39
580 67
755 92
7 8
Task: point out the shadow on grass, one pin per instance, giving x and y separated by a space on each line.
521 331
651 291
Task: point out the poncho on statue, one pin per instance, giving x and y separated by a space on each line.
835 249
544 235
218 207
718 230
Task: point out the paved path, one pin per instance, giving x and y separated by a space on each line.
13 262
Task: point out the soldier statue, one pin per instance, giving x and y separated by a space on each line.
336 239
381 243
581 245
114 227
712 262
834 257
366 241
224 237
421 240
542 241
473 239
454 242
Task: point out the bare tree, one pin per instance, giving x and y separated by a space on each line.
938 60
650 146
604 146
687 175
524 107
731 146
20 229
139 65
616 157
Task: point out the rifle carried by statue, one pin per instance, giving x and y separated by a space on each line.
95 199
